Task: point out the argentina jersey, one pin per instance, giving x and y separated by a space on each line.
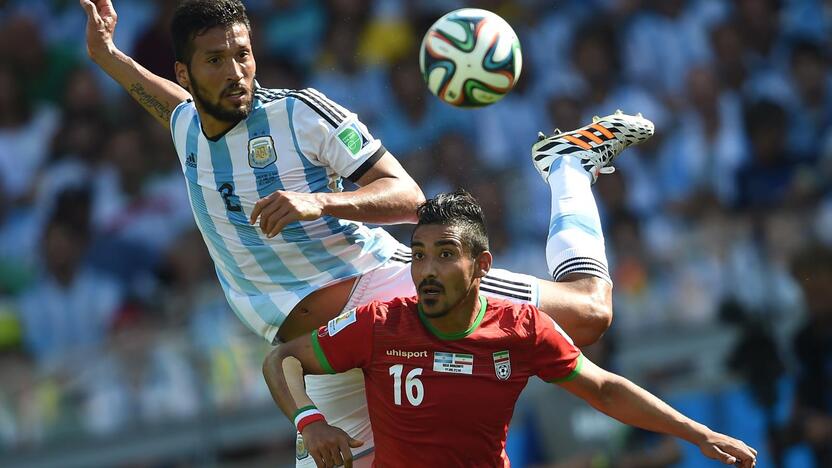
292 140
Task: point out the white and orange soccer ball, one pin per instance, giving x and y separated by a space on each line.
470 58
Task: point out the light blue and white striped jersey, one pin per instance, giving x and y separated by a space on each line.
297 141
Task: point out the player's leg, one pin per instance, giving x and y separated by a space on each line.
580 295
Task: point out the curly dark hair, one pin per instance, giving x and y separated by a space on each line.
194 17
461 210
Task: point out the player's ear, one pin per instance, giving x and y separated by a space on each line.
483 264
181 71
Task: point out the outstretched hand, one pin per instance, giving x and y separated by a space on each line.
329 446
728 450
101 24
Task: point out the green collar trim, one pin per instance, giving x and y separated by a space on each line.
457 335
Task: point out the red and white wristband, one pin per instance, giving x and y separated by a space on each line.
306 416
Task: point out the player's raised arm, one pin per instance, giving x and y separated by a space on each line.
627 402
157 95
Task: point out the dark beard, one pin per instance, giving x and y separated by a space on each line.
215 110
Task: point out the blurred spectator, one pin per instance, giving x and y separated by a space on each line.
153 48
699 161
765 49
71 308
810 108
19 232
190 280
43 65
811 419
25 133
662 43
727 44
136 213
768 177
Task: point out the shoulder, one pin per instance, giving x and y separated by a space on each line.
394 307
520 317
506 308
184 110
308 101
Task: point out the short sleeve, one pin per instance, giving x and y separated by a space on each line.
555 358
346 342
330 135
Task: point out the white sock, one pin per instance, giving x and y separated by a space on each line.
576 242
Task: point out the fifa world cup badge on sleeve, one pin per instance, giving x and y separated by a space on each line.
341 322
352 139
261 152
502 365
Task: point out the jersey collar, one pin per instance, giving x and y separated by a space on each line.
457 335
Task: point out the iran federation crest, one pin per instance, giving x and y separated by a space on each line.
502 365
261 152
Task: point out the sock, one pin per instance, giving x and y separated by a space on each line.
576 242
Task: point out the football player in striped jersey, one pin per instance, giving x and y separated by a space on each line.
264 170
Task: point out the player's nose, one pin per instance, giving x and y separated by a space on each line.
235 71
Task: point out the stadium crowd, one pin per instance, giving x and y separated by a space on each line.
111 316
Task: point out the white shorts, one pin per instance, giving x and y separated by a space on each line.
340 397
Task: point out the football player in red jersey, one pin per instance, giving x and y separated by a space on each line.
444 369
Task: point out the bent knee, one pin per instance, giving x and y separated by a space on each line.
599 310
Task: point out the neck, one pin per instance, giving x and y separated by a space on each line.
212 128
461 317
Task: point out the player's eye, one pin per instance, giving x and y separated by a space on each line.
446 254
418 255
213 60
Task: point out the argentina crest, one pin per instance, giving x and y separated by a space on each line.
261 152
502 365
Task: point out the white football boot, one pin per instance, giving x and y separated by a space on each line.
596 144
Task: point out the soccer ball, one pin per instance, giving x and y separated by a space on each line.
470 58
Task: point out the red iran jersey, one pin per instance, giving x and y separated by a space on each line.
444 400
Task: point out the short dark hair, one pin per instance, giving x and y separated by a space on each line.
461 210
194 17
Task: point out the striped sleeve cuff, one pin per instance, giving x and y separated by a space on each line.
319 353
583 265
573 374
303 412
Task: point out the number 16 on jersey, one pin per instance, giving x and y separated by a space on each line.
414 390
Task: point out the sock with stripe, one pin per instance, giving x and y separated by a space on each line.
576 242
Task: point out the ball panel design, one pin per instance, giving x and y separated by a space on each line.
470 58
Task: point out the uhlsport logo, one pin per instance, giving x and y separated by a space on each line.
406 354
261 152
502 365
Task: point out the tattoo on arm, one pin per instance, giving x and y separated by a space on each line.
154 106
